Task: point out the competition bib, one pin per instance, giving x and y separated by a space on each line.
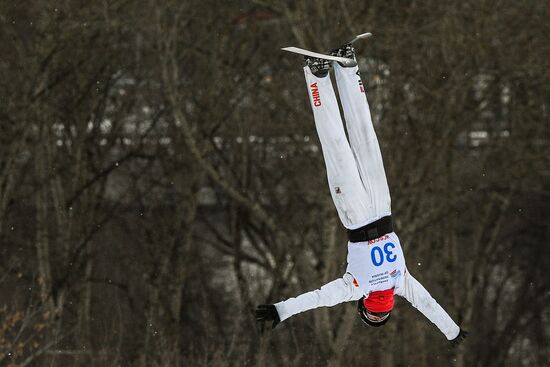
378 264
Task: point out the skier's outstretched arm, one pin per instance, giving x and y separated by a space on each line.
333 293
421 299
338 291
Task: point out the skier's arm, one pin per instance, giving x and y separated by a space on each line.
421 299
338 291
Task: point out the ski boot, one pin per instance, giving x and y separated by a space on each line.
318 67
346 51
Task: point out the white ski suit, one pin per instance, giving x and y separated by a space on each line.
359 189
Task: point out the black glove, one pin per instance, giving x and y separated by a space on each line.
461 336
267 313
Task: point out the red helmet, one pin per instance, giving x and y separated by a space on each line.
375 309
380 301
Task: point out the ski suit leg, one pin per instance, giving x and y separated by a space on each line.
349 196
363 140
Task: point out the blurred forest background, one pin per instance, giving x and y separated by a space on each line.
160 175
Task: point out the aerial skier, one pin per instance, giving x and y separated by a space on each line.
376 269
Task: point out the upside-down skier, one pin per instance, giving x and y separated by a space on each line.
376 269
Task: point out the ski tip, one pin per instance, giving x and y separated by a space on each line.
361 36
364 35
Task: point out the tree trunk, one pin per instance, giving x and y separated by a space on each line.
42 232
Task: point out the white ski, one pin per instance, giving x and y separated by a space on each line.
301 51
344 61
360 37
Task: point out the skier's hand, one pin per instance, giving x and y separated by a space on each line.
267 313
460 338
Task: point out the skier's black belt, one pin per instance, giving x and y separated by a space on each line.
372 230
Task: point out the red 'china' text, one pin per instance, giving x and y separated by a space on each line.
315 95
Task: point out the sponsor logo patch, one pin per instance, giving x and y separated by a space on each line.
379 239
395 273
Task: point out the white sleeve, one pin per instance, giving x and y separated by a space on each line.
338 291
421 299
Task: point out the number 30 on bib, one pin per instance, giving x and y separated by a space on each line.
378 255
